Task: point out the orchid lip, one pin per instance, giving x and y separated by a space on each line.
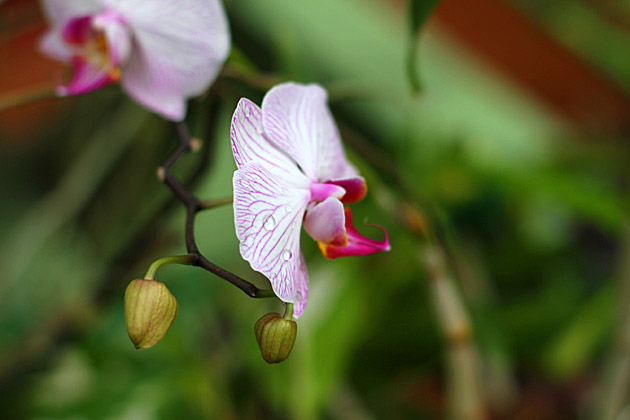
357 243
87 78
96 62
325 222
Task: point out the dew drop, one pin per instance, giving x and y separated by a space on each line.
270 223
288 208
286 255
248 112
292 225
249 241
299 296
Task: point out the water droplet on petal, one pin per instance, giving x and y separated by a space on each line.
249 241
288 208
286 255
270 223
299 296
292 225
248 112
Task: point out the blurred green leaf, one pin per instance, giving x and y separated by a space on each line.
419 11
570 351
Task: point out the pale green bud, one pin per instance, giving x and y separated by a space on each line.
275 336
150 309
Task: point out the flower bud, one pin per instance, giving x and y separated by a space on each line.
275 336
150 309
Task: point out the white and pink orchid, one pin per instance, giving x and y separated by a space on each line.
162 51
292 171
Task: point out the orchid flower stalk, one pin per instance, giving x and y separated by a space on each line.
162 51
293 172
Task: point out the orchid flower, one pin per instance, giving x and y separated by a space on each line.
292 171
162 51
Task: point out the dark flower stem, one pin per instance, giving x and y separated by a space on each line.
193 206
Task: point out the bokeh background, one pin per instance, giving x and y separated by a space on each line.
515 156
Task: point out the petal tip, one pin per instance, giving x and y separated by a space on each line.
356 189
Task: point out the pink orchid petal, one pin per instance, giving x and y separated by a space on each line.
325 222
250 145
357 243
268 216
297 119
355 188
86 77
154 88
179 48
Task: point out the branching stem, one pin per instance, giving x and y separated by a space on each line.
193 206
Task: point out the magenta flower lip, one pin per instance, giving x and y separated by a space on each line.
292 172
356 243
162 52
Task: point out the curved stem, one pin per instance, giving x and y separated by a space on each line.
193 206
211 204
188 259
288 312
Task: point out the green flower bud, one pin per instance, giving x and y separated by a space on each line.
275 336
150 309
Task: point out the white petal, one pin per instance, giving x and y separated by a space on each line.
268 216
302 289
53 45
297 119
250 145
